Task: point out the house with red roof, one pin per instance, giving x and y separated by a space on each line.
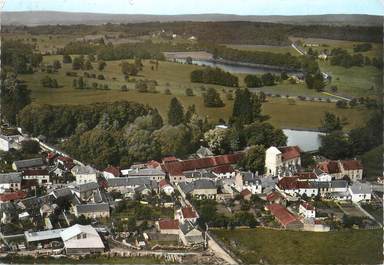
275 197
293 187
246 194
186 214
339 169
153 164
65 162
307 210
166 187
352 168
282 161
168 226
111 172
284 217
12 196
223 171
330 167
176 169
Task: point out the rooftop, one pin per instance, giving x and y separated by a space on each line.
290 152
175 168
198 184
351 164
115 171
11 196
330 167
87 187
166 224
42 235
12 177
35 172
360 188
34 162
282 214
83 170
144 172
92 207
188 212
128 181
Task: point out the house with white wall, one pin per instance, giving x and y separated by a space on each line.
360 192
307 210
84 174
282 161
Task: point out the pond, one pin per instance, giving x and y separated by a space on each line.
306 140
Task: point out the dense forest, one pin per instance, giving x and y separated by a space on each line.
240 32
63 121
19 56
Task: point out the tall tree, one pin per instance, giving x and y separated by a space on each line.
254 159
175 112
335 145
14 97
332 123
242 107
212 98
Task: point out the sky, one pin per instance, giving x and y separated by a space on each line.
173 7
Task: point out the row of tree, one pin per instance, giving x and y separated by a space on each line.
215 76
256 57
63 121
342 57
266 79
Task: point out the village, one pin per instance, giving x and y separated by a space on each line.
54 205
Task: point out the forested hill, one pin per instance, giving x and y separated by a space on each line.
34 18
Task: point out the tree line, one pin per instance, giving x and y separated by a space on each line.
236 32
342 57
216 76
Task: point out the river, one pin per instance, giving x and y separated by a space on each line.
306 140
238 68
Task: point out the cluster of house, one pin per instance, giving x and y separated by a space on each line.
203 176
184 225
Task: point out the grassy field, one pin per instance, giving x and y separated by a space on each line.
176 78
264 48
354 81
376 51
290 247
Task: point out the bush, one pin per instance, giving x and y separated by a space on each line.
342 104
212 99
189 92
49 82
